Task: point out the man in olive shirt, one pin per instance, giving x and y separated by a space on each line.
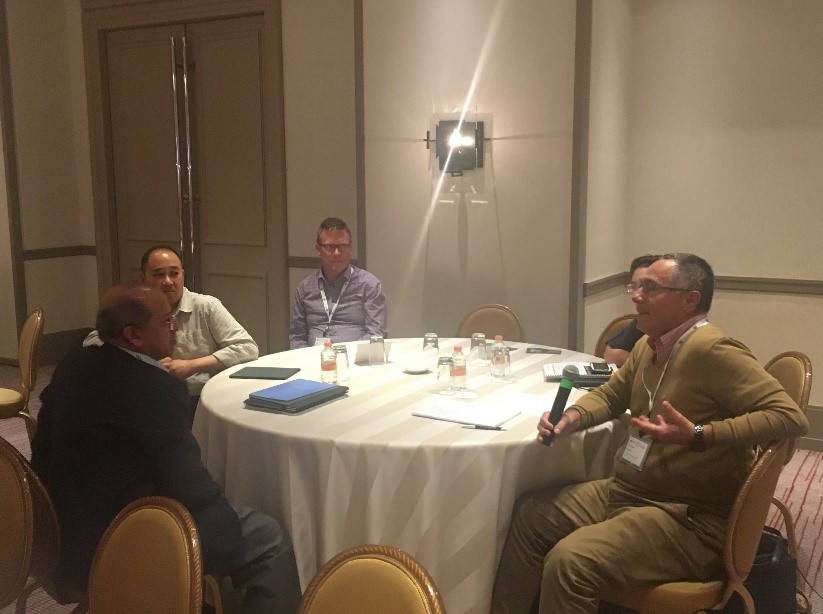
700 403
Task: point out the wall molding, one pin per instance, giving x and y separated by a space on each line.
760 285
68 251
307 262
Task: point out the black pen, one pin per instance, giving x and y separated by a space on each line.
482 427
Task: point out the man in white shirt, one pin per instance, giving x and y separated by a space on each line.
208 339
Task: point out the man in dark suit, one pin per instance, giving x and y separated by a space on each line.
112 429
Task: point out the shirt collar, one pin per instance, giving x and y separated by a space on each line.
663 346
186 304
343 277
147 359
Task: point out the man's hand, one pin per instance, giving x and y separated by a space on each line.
669 426
567 424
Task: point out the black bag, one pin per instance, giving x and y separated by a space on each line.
773 578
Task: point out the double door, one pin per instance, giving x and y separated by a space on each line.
195 161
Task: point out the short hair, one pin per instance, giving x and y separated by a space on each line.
643 262
333 223
144 261
696 274
123 306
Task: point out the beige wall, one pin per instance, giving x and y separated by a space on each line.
438 261
723 157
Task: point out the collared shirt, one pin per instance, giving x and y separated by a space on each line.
663 346
204 326
147 359
355 301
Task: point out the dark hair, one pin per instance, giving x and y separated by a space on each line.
642 262
156 248
696 274
126 307
333 223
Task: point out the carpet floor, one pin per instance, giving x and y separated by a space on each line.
800 486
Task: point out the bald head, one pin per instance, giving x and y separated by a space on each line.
137 318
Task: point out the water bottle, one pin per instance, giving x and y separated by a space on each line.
328 364
458 369
501 361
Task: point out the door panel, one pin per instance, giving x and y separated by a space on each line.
238 205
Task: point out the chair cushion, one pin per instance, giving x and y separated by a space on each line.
688 597
11 402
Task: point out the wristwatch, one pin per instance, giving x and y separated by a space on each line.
698 443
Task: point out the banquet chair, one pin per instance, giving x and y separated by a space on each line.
492 320
17 513
15 403
794 372
743 531
371 579
610 331
148 561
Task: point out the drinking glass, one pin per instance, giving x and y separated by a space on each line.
377 351
430 349
477 351
342 356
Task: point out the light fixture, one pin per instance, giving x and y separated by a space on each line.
458 146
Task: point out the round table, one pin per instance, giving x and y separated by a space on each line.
362 469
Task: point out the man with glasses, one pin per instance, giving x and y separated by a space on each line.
621 344
340 302
112 430
209 338
700 404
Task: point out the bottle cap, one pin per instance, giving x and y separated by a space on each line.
458 348
498 337
327 344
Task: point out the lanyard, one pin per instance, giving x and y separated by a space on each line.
330 313
676 347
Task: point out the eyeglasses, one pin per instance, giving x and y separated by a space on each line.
330 248
650 288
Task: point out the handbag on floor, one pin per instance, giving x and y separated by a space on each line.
772 581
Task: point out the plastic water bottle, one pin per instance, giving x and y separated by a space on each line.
458 369
501 361
328 364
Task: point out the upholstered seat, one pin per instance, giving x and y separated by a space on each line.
610 331
15 403
492 320
372 579
148 561
743 531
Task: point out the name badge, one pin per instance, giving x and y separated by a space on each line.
636 450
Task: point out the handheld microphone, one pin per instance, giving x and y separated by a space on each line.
563 392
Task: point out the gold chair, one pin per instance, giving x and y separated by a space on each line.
148 561
794 372
492 320
17 512
371 579
15 403
745 526
610 331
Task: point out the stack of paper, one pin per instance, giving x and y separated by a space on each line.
294 396
484 414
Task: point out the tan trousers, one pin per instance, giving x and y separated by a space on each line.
566 546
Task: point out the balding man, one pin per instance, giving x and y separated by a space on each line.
700 404
112 429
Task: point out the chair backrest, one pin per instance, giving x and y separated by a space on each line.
148 561
492 320
17 513
372 579
749 513
794 372
610 331
28 348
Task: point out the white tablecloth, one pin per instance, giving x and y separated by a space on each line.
362 469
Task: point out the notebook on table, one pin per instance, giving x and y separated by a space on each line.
265 372
294 396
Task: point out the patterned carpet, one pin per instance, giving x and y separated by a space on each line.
800 486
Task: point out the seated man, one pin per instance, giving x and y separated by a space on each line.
700 403
621 344
339 302
209 339
112 430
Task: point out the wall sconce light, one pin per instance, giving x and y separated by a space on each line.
464 141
